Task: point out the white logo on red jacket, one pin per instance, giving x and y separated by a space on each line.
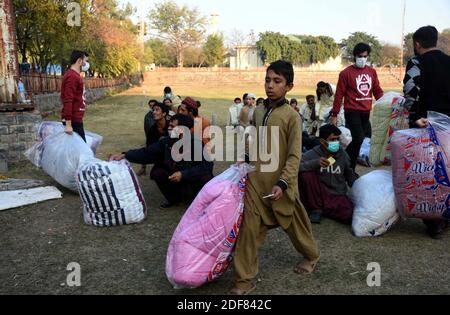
364 84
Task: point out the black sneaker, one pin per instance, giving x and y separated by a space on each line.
315 216
166 205
436 233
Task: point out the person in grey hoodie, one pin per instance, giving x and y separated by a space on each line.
325 172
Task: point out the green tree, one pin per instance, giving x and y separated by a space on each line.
194 57
408 48
106 33
273 46
214 50
43 35
361 37
163 54
180 26
390 55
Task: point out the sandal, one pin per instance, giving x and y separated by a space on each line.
237 291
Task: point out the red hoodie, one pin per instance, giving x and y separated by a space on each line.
357 87
72 97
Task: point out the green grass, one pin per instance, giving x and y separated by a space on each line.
39 241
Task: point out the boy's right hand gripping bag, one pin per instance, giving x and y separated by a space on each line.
201 248
421 168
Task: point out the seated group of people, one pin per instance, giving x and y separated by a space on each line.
325 170
178 179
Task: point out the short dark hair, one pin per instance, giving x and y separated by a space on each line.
310 96
152 101
283 68
327 130
293 100
322 84
167 90
426 36
77 54
238 99
244 96
183 120
260 100
167 99
360 48
163 107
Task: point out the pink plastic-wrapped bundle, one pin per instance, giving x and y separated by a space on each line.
421 165
201 248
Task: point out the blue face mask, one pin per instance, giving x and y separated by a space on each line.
334 146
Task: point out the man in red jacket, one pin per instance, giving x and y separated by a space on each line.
357 85
72 94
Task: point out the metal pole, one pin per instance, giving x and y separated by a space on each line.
403 40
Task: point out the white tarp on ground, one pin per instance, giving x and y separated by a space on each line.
18 198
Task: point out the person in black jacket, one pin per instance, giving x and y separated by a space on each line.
155 126
179 175
427 88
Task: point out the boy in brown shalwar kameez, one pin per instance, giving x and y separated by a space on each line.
283 208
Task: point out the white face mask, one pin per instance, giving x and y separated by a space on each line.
85 67
361 62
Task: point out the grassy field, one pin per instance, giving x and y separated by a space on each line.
39 241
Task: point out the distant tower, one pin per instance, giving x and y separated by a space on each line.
214 22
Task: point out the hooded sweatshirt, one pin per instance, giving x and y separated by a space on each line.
335 177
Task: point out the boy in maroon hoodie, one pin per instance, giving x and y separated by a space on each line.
357 85
72 94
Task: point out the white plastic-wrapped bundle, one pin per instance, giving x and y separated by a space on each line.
62 154
346 137
375 209
48 128
110 193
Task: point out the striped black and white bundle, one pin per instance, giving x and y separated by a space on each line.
110 194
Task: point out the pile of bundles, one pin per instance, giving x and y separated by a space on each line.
109 190
201 248
421 168
389 115
419 186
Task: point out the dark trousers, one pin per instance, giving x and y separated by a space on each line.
358 123
315 196
78 128
177 192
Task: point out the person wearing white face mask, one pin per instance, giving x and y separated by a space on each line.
325 172
72 94
357 86
178 173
